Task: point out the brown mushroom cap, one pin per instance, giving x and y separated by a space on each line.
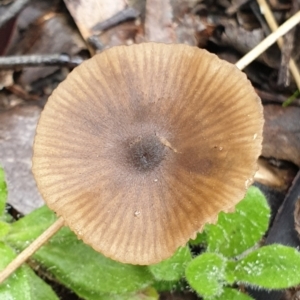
142 145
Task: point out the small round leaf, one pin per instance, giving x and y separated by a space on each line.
232 294
206 274
236 232
173 268
270 267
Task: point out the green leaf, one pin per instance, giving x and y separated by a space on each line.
165 286
83 269
270 267
23 284
173 268
236 232
4 229
206 274
201 238
30 227
3 192
229 272
75 264
232 294
147 294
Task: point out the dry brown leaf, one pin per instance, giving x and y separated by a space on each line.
159 26
8 101
124 33
34 11
38 38
243 41
269 175
87 14
282 133
6 78
6 35
297 216
17 130
43 32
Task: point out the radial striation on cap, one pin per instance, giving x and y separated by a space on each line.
142 145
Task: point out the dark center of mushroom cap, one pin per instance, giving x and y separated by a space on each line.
145 153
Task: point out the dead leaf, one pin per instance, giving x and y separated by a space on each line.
6 34
87 14
281 137
243 41
6 78
17 130
297 216
35 10
50 34
272 176
8 101
159 26
123 34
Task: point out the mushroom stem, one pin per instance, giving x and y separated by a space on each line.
268 41
30 250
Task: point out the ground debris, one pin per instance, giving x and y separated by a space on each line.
282 133
69 32
17 130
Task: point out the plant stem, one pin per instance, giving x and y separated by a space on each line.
268 41
31 249
290 100
274 26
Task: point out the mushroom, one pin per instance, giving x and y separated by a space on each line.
142 145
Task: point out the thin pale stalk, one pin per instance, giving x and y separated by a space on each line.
31 249
265 9
268 41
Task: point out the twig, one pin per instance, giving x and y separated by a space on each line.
287 49
257 12
10 62
12 10
231 10
268 41
95 42
267 97
31 249
124 15
274 27
286 55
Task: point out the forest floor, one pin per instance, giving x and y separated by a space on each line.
42 41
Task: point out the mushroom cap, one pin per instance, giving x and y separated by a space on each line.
142 145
